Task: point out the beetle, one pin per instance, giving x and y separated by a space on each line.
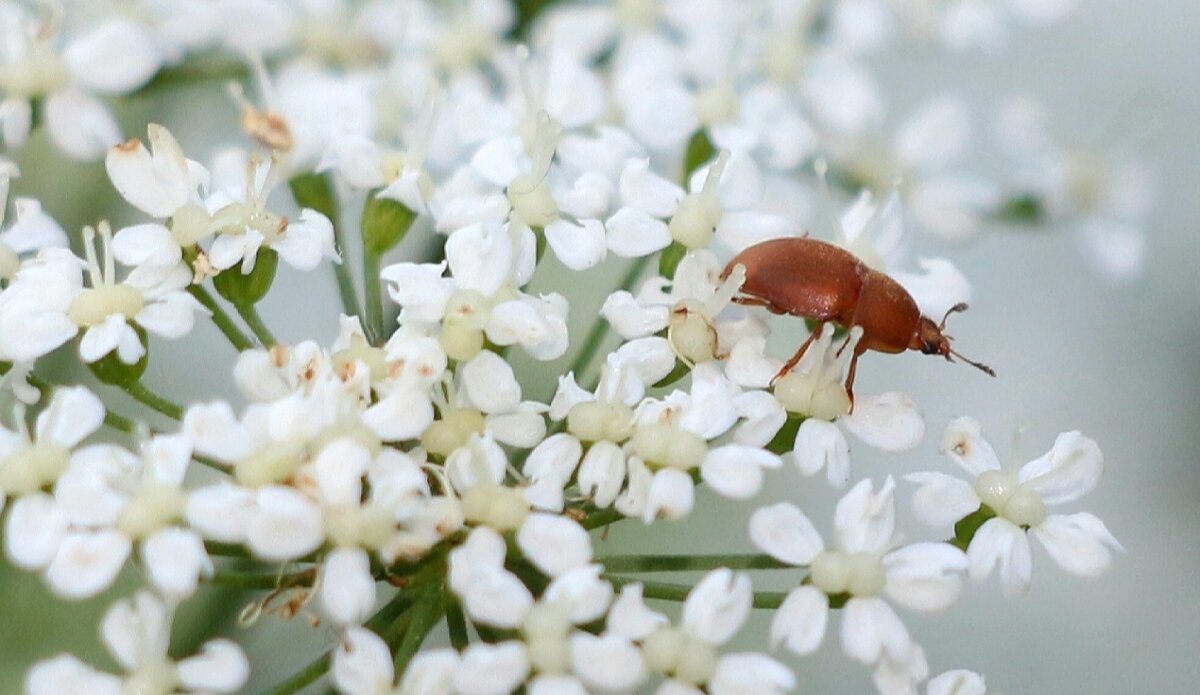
817 280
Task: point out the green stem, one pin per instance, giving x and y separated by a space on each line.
595 336
154 401
316 191
426 615
249 314
373 296
222 319
252 580
456 624
686 563
666 591
393 613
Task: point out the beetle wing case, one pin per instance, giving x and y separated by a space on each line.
802 277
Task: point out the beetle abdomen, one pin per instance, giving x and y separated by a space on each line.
802 277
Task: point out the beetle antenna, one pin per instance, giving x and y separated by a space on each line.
978 365
961 306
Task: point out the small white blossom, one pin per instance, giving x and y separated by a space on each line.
1016 502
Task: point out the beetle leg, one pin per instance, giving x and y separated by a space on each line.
858 351
756 301
787 367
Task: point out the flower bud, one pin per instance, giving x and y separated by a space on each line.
384 223
248 288
111 370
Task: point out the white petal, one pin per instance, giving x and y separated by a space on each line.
156 184
133 626
889 421
939 286
554 544
607 662
491 669
735 471
215 431
648 192
306 241
631 617
362 664
717 606
633 234
785 533
799 623
73 414
175 559
820 444
496 597
419 288
480 461
630 319
1079 543
602 472
1071 469
402 414
484 550
671 496
16 120
522 429
1117 249
964 442
87 563
115 57
338 471
942 499
431 672
957 682
33 531
746 673
871 630
1000 542
480 257
578 246
220 667
865 520
936 134
67 674
80 125
490 383
287 525
347 587
556 457
925 576
32 229
893 677
582 593
221 512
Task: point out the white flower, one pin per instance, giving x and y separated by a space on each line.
136 634
813 389
1013 505
688 655
1105 195
857 575
68 73
111 498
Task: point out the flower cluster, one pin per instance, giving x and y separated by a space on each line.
404 473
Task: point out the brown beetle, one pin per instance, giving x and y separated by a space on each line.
817 280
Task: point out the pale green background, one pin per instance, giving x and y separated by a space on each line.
1121 364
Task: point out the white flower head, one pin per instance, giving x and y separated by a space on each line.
1012 505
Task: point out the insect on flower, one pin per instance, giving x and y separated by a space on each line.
817 280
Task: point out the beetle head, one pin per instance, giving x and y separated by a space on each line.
931 339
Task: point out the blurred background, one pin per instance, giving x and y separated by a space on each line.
1073 351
